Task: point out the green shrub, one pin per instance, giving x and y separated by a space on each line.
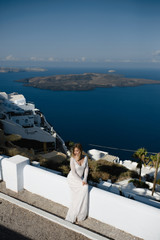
139 184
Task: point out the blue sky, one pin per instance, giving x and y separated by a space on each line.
102 32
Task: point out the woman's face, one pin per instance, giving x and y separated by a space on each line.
77 152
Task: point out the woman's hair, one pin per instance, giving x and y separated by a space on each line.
77 145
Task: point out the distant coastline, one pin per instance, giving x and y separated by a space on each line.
84 82
8 69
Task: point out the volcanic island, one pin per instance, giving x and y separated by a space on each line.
84 82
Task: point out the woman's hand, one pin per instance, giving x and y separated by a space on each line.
84 183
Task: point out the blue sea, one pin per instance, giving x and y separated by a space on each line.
124 118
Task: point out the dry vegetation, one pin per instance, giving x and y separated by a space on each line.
100 169
108 170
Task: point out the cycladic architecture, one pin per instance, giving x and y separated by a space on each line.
97 154
19 117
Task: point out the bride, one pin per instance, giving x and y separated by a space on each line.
77 180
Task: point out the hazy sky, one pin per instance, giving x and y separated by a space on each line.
80 31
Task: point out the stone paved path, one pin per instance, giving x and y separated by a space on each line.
18 223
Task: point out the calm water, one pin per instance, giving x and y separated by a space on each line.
114 117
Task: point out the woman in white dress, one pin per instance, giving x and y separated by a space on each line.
77 180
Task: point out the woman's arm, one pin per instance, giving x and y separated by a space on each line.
86 170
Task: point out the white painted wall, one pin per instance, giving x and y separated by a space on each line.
128 215
46 184
129 190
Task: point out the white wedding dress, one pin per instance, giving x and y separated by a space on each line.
78 209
